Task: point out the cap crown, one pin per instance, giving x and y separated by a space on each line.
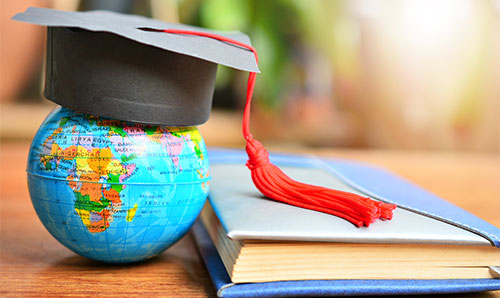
103 63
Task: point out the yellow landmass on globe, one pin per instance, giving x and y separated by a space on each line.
85 216
81 162
115 167
131 213
99 160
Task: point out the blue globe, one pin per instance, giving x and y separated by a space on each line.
116 191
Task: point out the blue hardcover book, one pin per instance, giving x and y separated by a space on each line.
255 247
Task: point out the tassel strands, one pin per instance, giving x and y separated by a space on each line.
275 184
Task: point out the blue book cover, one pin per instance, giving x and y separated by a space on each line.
420 218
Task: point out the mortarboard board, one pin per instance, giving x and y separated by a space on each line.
116 66
106 64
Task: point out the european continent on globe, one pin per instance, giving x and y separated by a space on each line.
116 191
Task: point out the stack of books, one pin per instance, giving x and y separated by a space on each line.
254 246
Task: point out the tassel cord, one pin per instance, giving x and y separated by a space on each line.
322 195
327 206
285 199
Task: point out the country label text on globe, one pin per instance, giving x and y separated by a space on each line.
116 191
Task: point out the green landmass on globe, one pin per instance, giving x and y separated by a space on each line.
124 180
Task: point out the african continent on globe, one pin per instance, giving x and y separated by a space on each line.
116 191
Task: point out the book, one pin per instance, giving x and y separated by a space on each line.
430 246
340 287
268 260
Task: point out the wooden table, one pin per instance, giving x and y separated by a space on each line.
33 263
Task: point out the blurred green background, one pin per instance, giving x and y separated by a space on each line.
410 74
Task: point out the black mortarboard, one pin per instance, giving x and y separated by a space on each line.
107 64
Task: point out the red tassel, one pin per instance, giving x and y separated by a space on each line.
275 184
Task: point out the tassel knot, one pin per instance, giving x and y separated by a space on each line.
257 154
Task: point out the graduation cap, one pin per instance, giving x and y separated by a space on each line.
137 69
117 66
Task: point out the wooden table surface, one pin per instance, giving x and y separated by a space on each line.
33 263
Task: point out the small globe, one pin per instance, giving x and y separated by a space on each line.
116 191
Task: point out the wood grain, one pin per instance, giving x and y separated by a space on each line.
34 264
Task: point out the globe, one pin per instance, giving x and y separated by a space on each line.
116 191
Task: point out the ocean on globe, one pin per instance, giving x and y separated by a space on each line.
116 191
